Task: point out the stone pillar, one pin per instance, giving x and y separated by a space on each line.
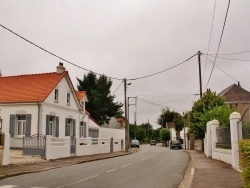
47 147
5 150
209 140
236 135
214 124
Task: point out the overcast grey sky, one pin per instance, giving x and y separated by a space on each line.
130 39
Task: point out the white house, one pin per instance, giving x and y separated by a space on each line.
45 103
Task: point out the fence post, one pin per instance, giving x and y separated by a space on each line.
208 140
47 147
234 118
214 124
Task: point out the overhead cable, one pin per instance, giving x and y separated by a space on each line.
219 43
225 72
117 88
231 59
47 51
164 69
211 31
235 53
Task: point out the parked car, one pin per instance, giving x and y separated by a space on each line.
135 143
175 144
152 142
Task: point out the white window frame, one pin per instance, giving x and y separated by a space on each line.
56 95
68 98
20 126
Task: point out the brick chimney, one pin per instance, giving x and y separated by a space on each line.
60 68
0 74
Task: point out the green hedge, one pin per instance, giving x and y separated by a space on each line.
244 150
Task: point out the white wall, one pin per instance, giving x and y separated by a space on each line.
115 133
222 155
57 147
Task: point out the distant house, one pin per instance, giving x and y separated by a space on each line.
43 103
115 123
238 99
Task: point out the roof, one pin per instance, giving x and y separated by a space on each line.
28 88
235 93
81 95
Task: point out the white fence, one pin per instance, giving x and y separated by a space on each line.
230 156
91 146
57 147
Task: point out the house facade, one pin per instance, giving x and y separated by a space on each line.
44 104
238 99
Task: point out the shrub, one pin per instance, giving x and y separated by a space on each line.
244 150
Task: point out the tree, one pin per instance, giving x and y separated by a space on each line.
210 106
165 135
101 103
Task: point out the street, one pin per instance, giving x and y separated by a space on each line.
151 166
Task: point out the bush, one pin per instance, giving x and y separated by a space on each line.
244 150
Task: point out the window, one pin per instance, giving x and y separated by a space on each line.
94 133
21 125
68 98
52 125
83 129
56 95
70 125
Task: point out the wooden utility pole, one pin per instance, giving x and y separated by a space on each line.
199 61
126 117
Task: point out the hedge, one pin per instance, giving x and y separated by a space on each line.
244 150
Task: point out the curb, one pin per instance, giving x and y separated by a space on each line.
188 175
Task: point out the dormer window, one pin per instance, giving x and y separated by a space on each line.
56 95
68 98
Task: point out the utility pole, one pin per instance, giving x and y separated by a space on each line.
148 129
184 121
126 117
199 61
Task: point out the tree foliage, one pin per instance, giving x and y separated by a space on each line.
165 134
141 132
210 106
101 103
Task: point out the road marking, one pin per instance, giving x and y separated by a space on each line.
127 165
8 186
78 181
111 170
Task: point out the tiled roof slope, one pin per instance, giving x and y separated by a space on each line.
235 93
28 88
80 95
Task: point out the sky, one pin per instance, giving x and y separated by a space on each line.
132 39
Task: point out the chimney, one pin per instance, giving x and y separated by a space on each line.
0 74
239 84
60 68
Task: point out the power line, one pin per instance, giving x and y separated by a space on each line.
55 54
211 31
164 69
224 71
236 53
117 88
47 51
219 43
231 59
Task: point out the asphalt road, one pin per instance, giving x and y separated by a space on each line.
151 166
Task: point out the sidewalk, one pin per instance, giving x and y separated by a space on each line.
203 172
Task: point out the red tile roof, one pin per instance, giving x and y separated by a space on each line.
80 95
28 88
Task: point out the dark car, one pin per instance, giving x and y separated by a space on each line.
152 142
135 143
175 144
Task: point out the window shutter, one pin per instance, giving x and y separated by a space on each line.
66 127
12 125
85 129
28 125
47 124
57 126
74 127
